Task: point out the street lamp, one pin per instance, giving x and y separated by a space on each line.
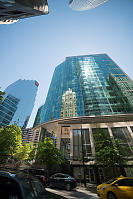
83 152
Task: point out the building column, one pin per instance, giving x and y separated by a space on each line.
130 131
71 144
110 132
58 137
92 141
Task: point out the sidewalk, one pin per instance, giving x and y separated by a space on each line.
89 187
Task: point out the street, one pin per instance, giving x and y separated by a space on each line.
78 193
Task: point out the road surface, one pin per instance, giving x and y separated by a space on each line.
79 193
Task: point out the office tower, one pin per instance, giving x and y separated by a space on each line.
18 102
88 94
37 118
81 5
18 9
7 109
95 84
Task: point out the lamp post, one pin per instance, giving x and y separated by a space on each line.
83 152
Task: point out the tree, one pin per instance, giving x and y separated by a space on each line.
109 151
23 152
32 151
1 95
11 147
48 155
10 141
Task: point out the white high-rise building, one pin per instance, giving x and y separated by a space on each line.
82 5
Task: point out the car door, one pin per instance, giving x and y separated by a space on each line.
124 188
127 188
61 180
52 181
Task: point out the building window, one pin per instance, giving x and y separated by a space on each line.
78 141
65 148
124 136
95 131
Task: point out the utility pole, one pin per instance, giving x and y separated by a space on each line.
83 152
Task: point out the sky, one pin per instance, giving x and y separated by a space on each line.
33 47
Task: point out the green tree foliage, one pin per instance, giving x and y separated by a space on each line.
24 152
10 141
48 155
109 151
1 95
11 145
32 151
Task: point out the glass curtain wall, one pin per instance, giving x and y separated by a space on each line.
81 5
77 144
88 85
7 109
96 131
65 147
123 135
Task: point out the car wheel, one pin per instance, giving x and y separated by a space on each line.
68 187
111 196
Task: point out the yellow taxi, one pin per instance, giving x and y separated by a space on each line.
117 188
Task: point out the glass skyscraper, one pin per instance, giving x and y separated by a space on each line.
18 102
81 5
7 109
88 94
88 85
12 10
37 118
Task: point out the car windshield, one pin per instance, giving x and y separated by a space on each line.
27 190
110 181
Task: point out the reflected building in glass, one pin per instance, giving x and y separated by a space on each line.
88 94
69 105
18 102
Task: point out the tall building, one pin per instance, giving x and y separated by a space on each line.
29 136
88 86
37 118
7 109
81 5
18 102
88 94
18 9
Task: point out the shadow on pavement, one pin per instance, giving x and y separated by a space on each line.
50 195
82 195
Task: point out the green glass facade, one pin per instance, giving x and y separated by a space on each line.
7 109
88 85
37 118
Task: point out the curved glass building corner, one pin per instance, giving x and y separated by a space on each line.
81 5
87 85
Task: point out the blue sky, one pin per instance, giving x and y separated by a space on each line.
33 47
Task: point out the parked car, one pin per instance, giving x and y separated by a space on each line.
39 173
60 180
19 185
117 188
